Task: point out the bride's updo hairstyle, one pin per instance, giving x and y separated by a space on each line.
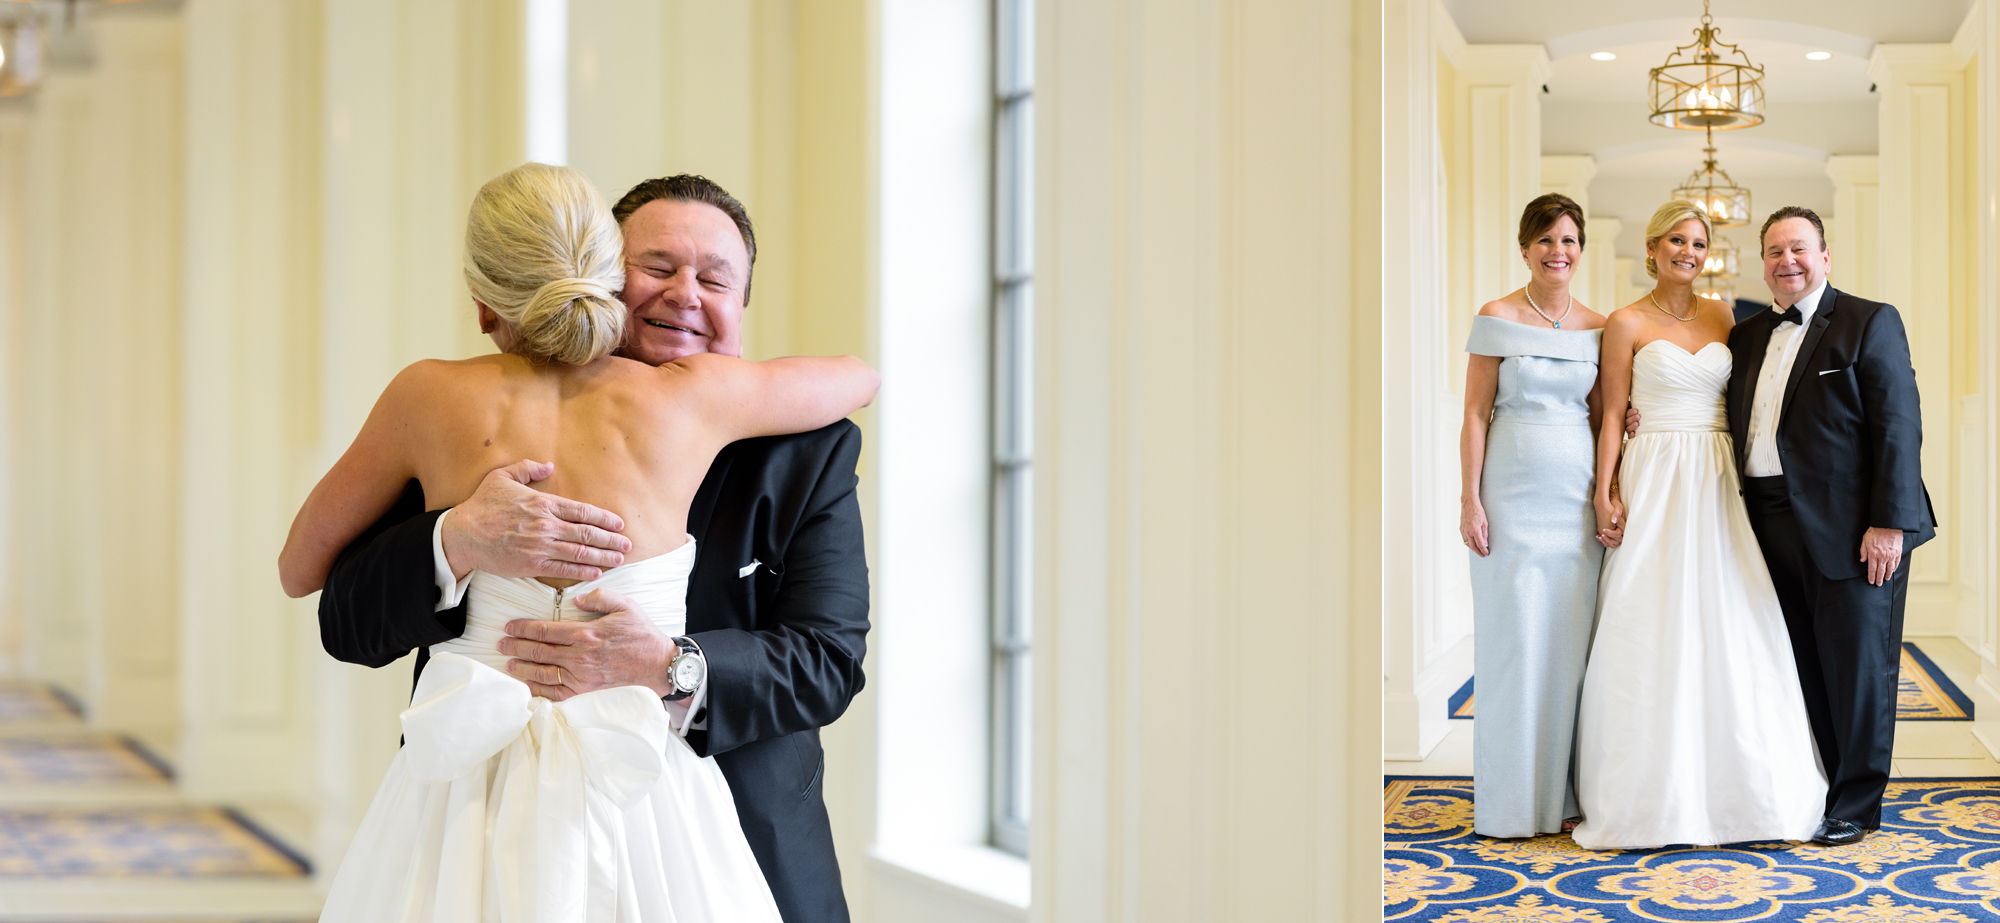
1670 214
542 252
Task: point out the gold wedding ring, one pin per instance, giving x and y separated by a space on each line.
559 679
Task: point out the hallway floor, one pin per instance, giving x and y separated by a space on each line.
1932 860
92 827
1924 749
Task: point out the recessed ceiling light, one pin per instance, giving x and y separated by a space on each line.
1603 56
1818 55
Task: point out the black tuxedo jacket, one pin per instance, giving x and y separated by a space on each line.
784 644
1848 431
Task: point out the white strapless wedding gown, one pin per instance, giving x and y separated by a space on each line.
1692 727
507 808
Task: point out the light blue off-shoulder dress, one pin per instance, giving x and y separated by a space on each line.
1534 597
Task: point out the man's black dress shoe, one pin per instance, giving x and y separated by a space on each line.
1836 832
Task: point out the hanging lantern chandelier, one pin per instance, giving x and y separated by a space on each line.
20 55
1727 204
1719 289
20 58
1722 259
1708 84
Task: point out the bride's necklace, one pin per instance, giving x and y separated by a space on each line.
1556 322
1656 303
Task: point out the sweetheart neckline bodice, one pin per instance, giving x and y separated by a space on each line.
1682 349
1681 396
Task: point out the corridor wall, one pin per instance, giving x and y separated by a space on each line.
1464 124
1209 469
14 363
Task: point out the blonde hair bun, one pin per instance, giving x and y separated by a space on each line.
542 251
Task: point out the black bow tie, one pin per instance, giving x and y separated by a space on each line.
1792 314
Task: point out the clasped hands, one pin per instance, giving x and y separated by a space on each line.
509 529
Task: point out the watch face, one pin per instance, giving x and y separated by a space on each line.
687 673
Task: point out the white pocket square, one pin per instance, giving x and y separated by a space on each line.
1831 371
748 569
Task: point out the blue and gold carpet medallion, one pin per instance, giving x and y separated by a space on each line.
1923 692
82 760
150 842
1935 860
36 702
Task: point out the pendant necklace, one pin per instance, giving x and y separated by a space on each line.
1656 303
1557 322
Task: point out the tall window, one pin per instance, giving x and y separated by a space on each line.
1013 421
548 81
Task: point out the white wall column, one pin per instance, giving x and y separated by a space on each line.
1493 169
60 517
720 106
134 209
1427 602
1208 401
1923 220
1855 229
1626 290
635 114
1982 33
14 352
1601 260
1570 175
401 160
251 400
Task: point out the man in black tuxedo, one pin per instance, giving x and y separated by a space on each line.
1823 408
777 609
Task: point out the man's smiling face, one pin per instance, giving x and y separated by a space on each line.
1795 259
685 273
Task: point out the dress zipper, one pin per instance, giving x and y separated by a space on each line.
559 596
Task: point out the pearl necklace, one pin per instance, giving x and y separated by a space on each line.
1557 323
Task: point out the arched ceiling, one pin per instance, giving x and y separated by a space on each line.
1813 108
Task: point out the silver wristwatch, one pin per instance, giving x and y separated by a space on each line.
687 669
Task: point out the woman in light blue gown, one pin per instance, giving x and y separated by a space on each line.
1526 453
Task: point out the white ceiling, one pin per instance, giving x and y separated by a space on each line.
1872 20
1813 108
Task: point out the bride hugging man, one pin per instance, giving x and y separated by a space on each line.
1740 682
621 676
1702 706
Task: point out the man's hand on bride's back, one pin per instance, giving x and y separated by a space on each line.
562 659
509 529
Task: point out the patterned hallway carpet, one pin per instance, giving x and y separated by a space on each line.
36 702
1935 860
1924 693
86 760
139 842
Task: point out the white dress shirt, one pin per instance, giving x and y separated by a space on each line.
451 591
1767 404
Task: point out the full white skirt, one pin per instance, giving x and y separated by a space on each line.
1692 728
504 808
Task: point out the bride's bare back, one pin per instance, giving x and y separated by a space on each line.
623 436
